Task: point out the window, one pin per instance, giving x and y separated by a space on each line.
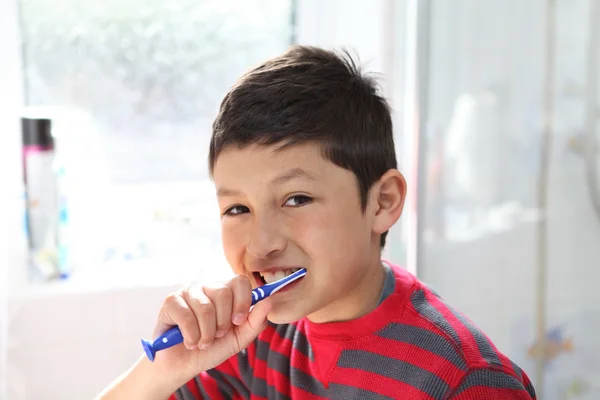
137 84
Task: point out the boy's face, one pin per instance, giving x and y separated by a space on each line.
292 208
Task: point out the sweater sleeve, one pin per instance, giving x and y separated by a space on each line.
493 384
220 383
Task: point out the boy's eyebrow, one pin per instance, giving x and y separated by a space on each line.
292 174
278 180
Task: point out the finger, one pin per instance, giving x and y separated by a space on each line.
205 313
242 298
222 299
255 324
176 311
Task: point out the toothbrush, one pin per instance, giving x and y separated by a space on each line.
173 336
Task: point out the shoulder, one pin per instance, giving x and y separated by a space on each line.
443 328
430 311
449 338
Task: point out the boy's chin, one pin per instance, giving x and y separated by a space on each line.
284 316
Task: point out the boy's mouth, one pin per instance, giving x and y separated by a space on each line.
265 277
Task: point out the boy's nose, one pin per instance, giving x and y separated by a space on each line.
265 239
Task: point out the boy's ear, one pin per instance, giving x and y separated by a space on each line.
388 200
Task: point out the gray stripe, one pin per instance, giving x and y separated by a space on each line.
485 347
426 340
398 370
307 382
286 331
262 350
238 386
489 378
259 387
274 394
343 392
389 285
422 305
301 344
530 389
246 370
275 361
216 375
518 370
203 392
528 385
281 363
228 385
298 339
179 395
184 393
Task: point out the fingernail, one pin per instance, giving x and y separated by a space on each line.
238 319
203 346
220 334
190 346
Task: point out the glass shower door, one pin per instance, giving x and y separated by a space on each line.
509 229
572 350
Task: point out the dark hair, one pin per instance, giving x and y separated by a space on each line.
311 95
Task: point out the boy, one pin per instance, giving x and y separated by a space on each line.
303 160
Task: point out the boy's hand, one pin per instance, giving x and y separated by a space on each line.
215 324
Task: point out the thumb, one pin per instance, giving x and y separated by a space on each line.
255 324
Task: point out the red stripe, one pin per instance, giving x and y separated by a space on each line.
280 344
192 387
377 383
230 368
302 363
260 369
211 387
282 382
267 333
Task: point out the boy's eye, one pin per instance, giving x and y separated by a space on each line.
236 210
298 200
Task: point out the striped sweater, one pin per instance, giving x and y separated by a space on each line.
412 346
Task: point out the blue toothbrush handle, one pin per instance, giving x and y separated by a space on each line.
168 339
174 337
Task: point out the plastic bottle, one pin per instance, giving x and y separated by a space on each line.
40 194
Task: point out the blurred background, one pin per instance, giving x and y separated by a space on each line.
497 122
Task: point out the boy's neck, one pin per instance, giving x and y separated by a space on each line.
359 300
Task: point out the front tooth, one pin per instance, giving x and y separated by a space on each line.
268 277
279 275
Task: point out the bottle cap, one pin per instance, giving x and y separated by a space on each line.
37 132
